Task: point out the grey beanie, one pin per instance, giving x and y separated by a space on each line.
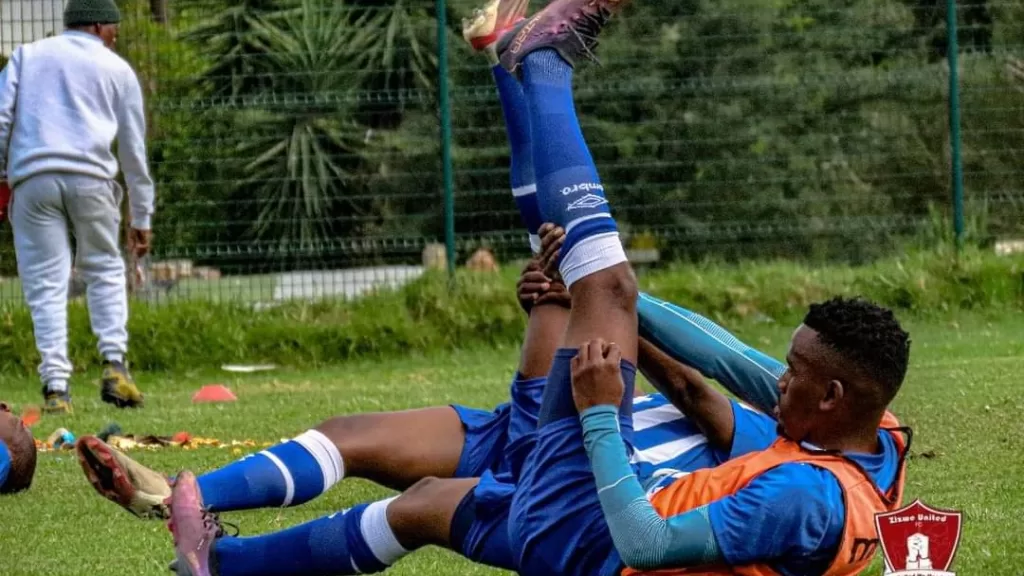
85 12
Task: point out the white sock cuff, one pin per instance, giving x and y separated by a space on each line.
591 255
326 454
524 190
535 243
379 536
58 385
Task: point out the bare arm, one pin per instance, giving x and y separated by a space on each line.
709 409
546 302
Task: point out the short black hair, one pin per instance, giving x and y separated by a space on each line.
23 462
866 335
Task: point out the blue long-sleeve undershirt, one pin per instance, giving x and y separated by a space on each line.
696 341
643 539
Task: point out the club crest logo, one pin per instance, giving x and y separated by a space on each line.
918 540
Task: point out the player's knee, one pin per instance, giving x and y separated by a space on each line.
347 431
416 516
415 504
617 285
426 489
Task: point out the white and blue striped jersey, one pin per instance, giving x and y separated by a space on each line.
667 444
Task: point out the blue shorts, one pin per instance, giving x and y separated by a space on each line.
486 436
494 439
555 524
497 445
480 525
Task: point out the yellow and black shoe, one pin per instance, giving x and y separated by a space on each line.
56 402
118 387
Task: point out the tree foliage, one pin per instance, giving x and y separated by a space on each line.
813 128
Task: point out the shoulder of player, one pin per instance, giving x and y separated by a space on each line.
812 487
805 497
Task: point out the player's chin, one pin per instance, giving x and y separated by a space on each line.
784 427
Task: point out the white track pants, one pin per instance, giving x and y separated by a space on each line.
44 209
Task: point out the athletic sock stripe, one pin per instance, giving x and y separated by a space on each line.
524 190
326 455
289 482
579 221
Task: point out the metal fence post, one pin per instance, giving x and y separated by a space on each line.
956 167
446 134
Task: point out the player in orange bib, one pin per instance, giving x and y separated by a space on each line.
797 493
834 459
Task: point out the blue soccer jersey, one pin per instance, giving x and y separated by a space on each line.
667 443
793 514
5 463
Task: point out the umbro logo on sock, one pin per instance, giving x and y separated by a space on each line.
588 201
585 187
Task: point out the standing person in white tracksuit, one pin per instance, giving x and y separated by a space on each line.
63 102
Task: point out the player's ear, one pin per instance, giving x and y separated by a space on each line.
834 392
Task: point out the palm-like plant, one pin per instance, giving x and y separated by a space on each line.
399 55
237 68
303 80
300 146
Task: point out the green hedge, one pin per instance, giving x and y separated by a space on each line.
482 309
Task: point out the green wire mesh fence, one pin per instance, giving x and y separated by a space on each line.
299 145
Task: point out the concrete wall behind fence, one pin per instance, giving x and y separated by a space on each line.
23 21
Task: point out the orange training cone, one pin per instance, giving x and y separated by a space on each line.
214 393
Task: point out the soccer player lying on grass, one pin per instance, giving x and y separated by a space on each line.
357 539
17 453
797 497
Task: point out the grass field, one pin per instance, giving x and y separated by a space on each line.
963 398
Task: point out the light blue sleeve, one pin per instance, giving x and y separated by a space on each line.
5 463
8 96
643 539
694 340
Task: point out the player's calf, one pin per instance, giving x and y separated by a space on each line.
570 191
364 539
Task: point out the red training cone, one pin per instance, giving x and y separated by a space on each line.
214 393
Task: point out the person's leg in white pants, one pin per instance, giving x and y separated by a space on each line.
94 209
43 252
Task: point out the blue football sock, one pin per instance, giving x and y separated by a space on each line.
521 177
558 404
569 189
355 541
288 474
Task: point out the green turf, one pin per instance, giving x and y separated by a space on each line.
963 397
